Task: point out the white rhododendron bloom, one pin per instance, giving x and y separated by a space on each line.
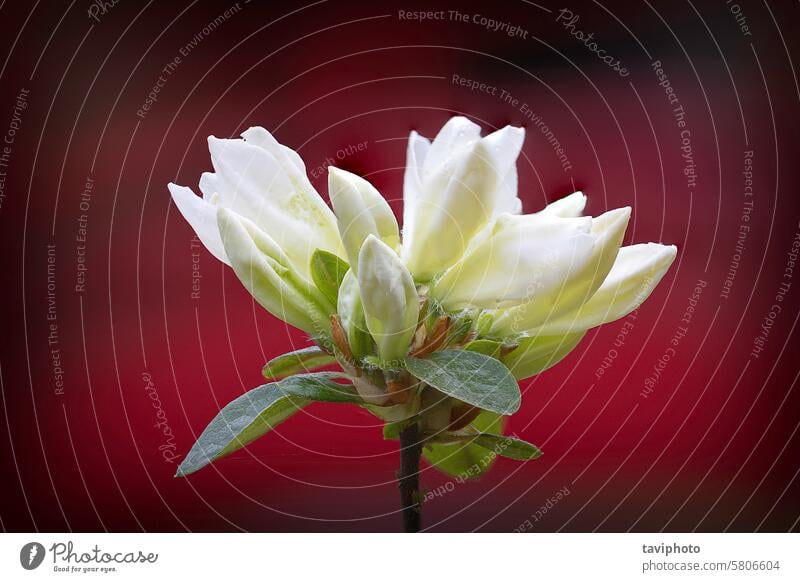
453 187
469 272
431 325
266 182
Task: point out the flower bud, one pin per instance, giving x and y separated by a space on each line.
360 211
389 299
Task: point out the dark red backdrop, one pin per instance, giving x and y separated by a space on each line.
713 446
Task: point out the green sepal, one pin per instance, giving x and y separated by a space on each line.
460 326
484 323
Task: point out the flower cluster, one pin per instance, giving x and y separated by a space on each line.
469 273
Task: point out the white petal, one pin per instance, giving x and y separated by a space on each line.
453 206
351 313
245 176
211 184
264 139
456 134
608 231
507 200
525 259
636 272
416 153
259 265
503 146
202 216
349 302
250 180
568 207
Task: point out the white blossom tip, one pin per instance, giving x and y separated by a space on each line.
567 207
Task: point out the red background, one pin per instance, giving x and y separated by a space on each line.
714 447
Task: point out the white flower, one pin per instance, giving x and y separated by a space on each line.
521 258
636 272
577 280
360 211
452 188
538 281
267 273
389 298
266 182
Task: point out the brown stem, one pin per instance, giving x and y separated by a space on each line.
408 478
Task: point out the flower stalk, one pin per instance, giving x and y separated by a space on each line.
408 478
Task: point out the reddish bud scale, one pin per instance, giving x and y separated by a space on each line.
461 415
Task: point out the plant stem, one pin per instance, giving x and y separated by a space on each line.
408 478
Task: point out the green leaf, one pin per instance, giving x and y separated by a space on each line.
536 354
486 347
506 446
258 411
471 377
298 361
328 271
320 386
465 459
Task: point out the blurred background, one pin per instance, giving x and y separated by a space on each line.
122 337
